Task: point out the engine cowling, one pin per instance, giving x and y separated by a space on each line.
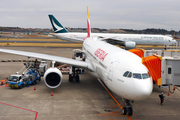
53 77
130 45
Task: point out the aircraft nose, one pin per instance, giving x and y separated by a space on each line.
174 42
144 89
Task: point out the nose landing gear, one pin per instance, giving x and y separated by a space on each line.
127 110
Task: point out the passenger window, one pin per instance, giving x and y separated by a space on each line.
137 76
145 76
129 75
169 70
126 73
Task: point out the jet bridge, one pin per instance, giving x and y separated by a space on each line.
164 65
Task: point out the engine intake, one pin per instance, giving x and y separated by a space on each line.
53 77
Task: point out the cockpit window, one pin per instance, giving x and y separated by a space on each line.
126 73
149 74
129 75
137 76
145 76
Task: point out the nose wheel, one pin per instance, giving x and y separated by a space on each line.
127 109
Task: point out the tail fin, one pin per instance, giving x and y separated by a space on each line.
88 24
57 27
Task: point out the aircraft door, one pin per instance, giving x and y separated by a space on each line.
111 70
169 73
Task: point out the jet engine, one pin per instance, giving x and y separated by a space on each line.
130 45
53 77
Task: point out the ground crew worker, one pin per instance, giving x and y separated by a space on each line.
161 98
36 63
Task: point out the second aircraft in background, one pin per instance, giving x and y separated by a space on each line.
129 41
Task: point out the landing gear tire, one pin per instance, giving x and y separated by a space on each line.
127 109
20 87
70 78
77 78
130 111
124 111
74 75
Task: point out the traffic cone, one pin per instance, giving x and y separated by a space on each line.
174 88
51 92
34 87
169 93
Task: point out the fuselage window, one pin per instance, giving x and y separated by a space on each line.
126 73
137 76
129 75
145 76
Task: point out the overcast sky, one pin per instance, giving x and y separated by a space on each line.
126 14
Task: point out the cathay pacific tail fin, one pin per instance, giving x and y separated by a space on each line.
57 27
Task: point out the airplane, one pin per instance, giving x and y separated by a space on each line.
129 41
120 70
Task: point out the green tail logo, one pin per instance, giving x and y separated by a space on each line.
57 27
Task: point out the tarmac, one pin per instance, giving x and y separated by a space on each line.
47 42
87 100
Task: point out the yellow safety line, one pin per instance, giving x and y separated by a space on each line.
113 97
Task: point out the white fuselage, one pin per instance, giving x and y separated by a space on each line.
140 39
110 63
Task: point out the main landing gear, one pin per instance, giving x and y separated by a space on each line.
73 75
127 110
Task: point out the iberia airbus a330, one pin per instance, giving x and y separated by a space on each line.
121 71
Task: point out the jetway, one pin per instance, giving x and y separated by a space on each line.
164 65
170 70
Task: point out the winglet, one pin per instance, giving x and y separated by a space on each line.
88 24
57 27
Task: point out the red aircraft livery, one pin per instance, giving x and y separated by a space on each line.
101 54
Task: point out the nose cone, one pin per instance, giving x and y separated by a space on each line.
145 92
144 88
174 41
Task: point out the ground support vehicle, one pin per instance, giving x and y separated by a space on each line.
25 79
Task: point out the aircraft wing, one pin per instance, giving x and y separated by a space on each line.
68 61
113 41
128 44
